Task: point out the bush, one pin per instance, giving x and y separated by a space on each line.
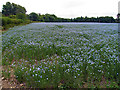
5 20
9 22
12 16
16 21
21 16
26 21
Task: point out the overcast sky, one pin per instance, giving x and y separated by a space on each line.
69 8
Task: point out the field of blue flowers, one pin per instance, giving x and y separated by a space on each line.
63 55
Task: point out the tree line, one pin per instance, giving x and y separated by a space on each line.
52 18
13 10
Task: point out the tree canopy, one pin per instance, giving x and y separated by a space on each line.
12 9
33 16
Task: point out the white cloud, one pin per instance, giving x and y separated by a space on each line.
69 8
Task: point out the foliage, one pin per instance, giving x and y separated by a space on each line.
49 18
106 19
33 16
12 9
53 18
21 16
12 16
9 22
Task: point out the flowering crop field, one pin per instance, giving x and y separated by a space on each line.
63 55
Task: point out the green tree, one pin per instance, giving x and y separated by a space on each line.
41 18
7 9
106 19
33 16
21 16
12 9
49 17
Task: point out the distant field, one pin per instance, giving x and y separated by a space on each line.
63 55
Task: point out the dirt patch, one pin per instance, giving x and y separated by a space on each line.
6 83
11 82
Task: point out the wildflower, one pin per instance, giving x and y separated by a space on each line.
30 69
38 68
74 76
41 76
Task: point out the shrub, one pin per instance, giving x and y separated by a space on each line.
16 21
12 16
9 22
5 21
21 16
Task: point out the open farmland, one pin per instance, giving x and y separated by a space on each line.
73 55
